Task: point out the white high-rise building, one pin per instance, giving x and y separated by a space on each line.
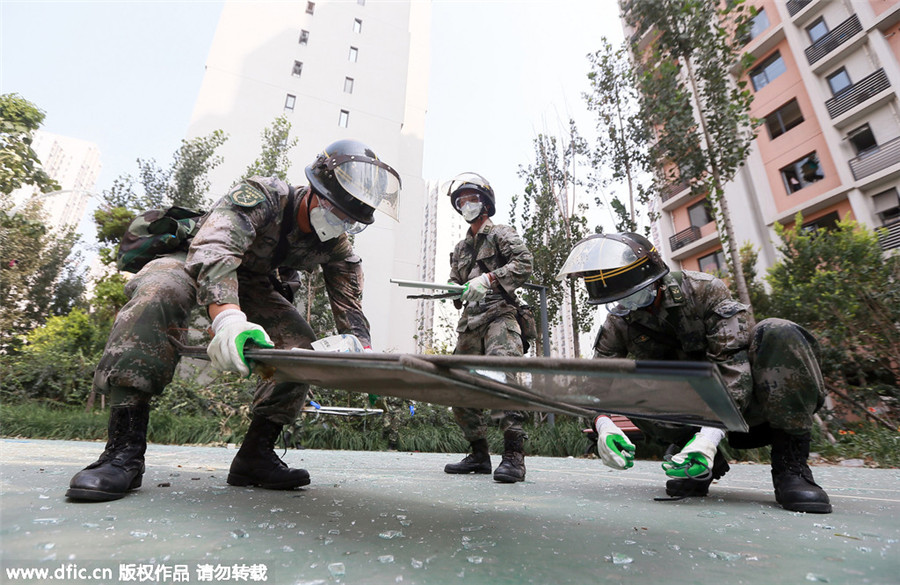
75 165
337 69
442 229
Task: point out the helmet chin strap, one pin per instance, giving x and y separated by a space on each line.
303 212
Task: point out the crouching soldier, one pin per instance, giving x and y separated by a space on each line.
771 370
262 225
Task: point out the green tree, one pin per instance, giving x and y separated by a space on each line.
273 160
839 285
550 221
19 164
39 274
622 135
688 49
184 183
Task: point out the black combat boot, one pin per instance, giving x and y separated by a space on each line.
479 461
696 488
121 466
257 464
795 488
512 467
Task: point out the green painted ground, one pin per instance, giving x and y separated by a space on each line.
397 518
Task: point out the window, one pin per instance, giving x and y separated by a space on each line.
713 263
289 102
344 119
699 213
348 85
298 69
758 24
304 37
802 173
862 139
817 29
354 54
826 222
887 206
839 81
783 119
310 7
767 71
357 25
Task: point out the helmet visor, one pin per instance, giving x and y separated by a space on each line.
472 181
598 254
370 181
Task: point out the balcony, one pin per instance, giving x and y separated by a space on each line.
795 6
877 159
684 237
833 39
857 93
889 236
672 189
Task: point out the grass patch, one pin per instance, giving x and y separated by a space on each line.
875 444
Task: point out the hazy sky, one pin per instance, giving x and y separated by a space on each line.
125 75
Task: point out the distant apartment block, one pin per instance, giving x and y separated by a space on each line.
75 165
348 69
825 83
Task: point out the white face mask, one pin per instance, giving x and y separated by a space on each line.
471 211
325 229
632 302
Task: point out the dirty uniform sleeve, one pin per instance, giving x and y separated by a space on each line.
610 341
728 338
344 283
455 276
518 269
219 247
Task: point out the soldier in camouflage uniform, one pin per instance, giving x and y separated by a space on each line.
492 262
771 370
261 226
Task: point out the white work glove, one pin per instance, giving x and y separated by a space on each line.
231 331
614 448
476 289
695 460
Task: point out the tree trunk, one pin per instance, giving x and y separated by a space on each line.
574 310
729 242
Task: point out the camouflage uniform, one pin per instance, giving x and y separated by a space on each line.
242 241
771 370
489 327
393 410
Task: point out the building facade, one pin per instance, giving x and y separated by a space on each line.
825 81
75 165
336 69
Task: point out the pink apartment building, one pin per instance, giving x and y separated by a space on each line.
826 82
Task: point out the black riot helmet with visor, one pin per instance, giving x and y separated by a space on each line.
354 181
465 183
616 267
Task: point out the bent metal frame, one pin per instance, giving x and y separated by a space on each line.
690 393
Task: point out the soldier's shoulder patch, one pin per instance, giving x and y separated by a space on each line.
676 294
245 195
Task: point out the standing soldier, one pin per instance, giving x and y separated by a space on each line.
771 370
492 262
262 225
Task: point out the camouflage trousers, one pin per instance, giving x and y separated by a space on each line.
788 388
139 359
499 337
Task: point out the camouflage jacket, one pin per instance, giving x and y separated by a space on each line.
503 253
252 231
698 320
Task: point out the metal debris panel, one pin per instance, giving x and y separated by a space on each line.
678 392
